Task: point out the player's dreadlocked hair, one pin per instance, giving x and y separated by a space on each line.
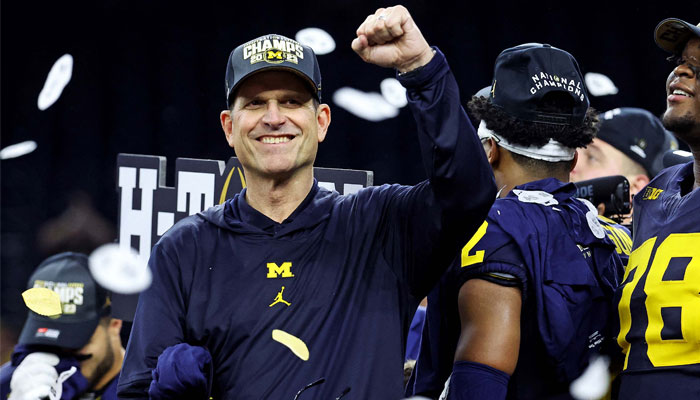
527 133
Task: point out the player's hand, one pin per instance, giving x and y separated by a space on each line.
34 377
390 38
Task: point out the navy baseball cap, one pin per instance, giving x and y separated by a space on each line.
639 135
672 34
272 52
83 303
675 157
524 74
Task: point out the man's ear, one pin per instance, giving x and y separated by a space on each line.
493 153
323 119
637 183
227 126
115 325
574 162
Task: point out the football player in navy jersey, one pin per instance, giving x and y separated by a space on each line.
530 299
659 300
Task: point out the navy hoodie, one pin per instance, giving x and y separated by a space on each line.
329 292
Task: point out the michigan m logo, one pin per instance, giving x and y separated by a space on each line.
284 270
274 56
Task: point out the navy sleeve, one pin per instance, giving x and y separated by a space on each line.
473 380
6 371
158 322
501 262
432 220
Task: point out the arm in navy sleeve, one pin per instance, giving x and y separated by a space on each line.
158 323
476 381
439 216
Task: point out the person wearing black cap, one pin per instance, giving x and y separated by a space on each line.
659 305
529 301
630 142
75 354
288 285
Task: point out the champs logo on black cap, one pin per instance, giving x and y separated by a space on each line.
274 50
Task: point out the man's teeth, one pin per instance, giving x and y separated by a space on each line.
275 140
681 92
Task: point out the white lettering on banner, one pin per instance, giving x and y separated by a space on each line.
137 222
165 221
350 188
194 185
327 185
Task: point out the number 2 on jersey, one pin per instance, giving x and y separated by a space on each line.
680 294
478 256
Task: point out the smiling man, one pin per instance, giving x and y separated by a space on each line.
288 283
659 304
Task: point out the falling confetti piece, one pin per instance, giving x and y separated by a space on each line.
599 84
43 301
56 81
17 150
296 345
316 38
393 92
119 269
370 106
594 383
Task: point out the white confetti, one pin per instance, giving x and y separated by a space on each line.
599 84
119 269
17 150
58 78
594 383
393 92
370 106
316 38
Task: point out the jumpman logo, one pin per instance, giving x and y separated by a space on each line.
279 299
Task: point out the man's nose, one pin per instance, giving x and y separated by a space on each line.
273 115
685 70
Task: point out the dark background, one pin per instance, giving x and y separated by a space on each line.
148 78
